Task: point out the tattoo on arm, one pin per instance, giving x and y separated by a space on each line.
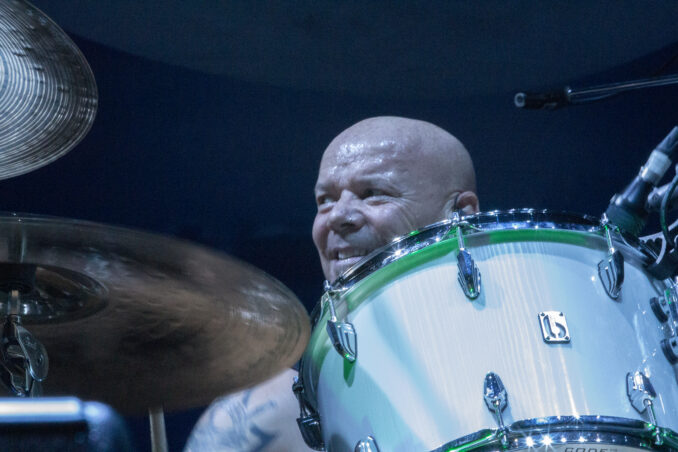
230 424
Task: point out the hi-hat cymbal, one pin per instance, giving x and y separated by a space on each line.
138 320
48 96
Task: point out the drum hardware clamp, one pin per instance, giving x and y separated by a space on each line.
670 348
665 309
309 419
468 274
368 444
661 306
342 334
641 395
496 399
23 359
611 269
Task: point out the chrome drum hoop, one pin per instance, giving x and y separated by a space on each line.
484 222
578 431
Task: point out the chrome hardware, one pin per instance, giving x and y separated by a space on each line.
468 274
35 353
342 334
484 223
496 399
611 269
641 395
308 420
661 305
670 349
554 327
671 296
23 359
640 391
368 444
572 431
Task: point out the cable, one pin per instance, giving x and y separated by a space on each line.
663 208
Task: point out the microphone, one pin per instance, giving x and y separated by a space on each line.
627 209
546 101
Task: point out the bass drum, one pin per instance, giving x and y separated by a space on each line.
581 370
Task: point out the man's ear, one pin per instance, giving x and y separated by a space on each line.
467 203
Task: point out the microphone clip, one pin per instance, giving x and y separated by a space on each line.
666 264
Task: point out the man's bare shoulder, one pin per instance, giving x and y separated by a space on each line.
261 419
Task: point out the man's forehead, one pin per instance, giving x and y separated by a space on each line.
378 178
353 147
362 151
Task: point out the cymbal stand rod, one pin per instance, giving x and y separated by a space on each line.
158 434
597 92
16 246
13 303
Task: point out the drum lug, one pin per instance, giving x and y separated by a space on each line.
496 399
342 334
641 395
670 349
468 274
344 339
660 308
611 269
368 444
308 420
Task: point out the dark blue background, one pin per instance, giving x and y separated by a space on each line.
231 164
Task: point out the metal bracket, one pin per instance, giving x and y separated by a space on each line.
342 334
660 307
468 274
23 359
368 444
641 395
496 399
611 269
670 348
308 420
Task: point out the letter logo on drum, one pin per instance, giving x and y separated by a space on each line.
588 449
554 327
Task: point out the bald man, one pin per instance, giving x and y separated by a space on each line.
380 178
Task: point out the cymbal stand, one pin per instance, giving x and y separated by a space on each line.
23 359
158 435
572 96
577 96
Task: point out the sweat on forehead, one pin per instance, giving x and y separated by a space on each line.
390 137
389 134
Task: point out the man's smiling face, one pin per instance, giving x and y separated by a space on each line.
369 192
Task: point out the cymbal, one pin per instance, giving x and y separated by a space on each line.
48 96
138 320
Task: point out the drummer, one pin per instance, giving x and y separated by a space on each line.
380 178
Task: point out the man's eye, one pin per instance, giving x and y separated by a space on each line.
322 200
372 192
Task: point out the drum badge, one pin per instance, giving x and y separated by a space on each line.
554 327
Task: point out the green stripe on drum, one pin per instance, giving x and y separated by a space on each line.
319 344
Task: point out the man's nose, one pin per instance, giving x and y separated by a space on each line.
346 214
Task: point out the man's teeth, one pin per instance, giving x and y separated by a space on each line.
348 254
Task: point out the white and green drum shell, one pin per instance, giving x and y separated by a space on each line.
580 370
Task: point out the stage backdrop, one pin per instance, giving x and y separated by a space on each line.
228 158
